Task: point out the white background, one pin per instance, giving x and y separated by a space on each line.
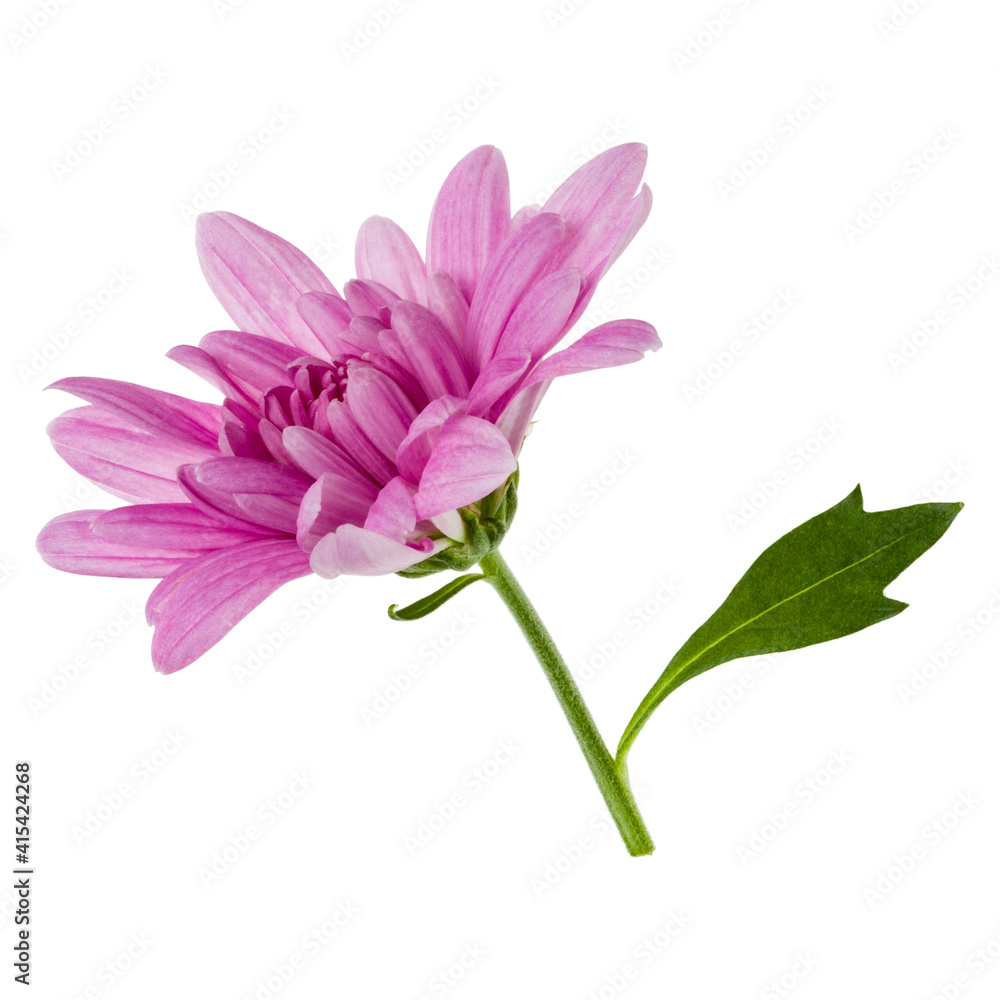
804 913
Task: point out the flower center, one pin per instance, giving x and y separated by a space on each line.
314 384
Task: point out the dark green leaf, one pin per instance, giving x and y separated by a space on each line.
821 581
433 601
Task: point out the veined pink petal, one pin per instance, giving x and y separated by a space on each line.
523 259
160 413
390 347
328 316
642 204
369 298
522 215
201 600
262 493
384 253
349 435
594 200
360 552
393 514
515 420
237 442
469 459
129 463
233 411
542 316
397 371
470 218
225 506
616 240
330 502
179 526
196 360
255 364
317 455
270 434
448 303
363 334
278 514
619 342
383 411
249 475
429 351
69 543
415 449
257 277
500 375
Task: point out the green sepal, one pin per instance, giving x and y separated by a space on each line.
433 601
822 580
485 525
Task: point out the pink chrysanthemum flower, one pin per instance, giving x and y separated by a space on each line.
363 433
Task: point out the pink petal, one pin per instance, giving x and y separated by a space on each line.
384 253
360 552
263 493
161 413
328 316
316 455
270 434
429 350
642 204
127 462
470 218
415 449
254 364
619 342
259 513
238 442
500 375
469 460
196 360
393 514
362 335
200 601
369 298
330 502
383 411
515 420
542 316
69 543
523 259
448 303
257 277
398 372
180 526
349 436
597 199
249 475
617 239
522 215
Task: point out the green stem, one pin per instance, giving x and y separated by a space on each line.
612 781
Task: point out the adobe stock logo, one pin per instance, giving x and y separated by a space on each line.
32 24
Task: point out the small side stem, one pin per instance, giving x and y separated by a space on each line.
612 782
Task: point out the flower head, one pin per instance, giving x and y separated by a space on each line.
364 433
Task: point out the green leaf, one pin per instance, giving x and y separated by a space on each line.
821 581
433 601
